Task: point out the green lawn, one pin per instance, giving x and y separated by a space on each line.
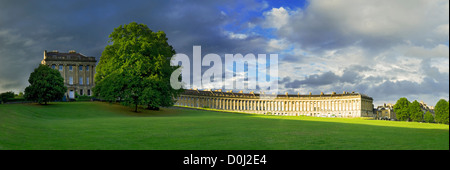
96 125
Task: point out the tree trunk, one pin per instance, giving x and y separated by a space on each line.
135 108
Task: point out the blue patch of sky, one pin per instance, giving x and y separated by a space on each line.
292 4
241 17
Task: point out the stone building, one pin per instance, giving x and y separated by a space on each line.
323 105
426 108
76 69
385 112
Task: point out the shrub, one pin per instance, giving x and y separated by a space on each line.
83 98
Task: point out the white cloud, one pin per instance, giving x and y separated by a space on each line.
277 45
233 35
442 30
276 18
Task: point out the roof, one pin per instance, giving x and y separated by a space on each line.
70 56
256 95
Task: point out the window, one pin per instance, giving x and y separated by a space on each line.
71 94
89 92
53 66
80 68
70 68
81 92
70 80
81 81
87 80
87 68
60 68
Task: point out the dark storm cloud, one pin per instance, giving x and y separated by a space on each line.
351 75
27 29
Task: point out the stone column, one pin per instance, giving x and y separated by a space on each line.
258 105
308 106
232 104
239 104
224 104
354 105
290 106
346 105
296 106
343 105
75 70
63 72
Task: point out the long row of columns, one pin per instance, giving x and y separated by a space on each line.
345 106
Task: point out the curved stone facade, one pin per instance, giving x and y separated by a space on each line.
323 105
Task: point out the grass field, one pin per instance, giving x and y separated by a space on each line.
96 125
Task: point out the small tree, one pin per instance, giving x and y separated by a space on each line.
46 85
5 96
441 111
415 111
401 109
429 118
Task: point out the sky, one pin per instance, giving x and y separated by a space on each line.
386 49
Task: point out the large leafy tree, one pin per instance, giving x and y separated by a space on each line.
401 109
135 68
441 111
46 85
416 113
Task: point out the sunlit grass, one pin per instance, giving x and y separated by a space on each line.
96 125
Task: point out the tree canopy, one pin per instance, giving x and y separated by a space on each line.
5 96
46 85
135 68
441 111
429 118
415 111
401 109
